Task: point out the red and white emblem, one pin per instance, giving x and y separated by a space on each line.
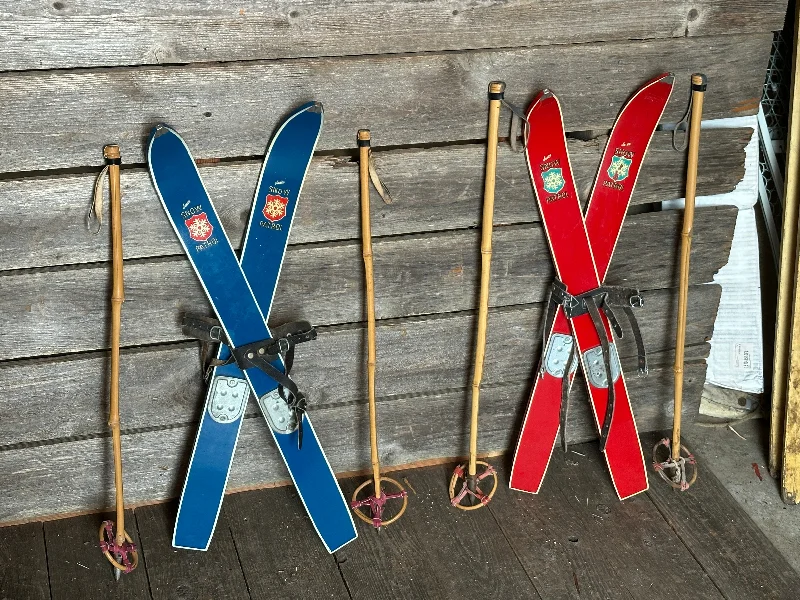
199 227
275 207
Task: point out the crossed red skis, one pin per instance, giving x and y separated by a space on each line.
582 251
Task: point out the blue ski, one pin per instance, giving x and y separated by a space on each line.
241 295
288 156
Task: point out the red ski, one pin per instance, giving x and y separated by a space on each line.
581 253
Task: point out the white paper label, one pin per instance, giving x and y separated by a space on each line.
742 357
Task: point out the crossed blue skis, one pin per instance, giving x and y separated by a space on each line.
241 295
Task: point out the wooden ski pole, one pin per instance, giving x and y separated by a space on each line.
377 501
118 548
676 464
470 489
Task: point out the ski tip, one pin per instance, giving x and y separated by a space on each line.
668 78
316 107
160 130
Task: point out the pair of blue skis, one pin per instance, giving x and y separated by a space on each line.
241 293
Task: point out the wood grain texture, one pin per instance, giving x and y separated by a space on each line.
56 312
163 386
564 535
185 574
23 563
279 550
441 552
425 184
723 539
78 568
77 475
77 33
230 110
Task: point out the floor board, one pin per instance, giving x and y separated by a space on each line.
577 540
723 538
189 574
434 550
23 563
279 550
77 567
573 540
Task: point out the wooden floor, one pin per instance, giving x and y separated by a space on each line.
574 540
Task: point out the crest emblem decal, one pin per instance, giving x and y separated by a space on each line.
619 167
199 227
275 207
553 180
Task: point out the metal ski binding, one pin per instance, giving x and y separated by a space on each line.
261 355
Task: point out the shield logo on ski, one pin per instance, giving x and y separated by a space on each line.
553 180
619 167
199 227
275 207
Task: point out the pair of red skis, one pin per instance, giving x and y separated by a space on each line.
580 317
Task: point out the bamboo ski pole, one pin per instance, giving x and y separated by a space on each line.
470 490
783 431
377 501
117 547
674 470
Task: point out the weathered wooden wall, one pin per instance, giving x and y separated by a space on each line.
77 74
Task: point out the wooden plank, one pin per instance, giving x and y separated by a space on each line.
56 312
77 34
278 548
434 551
577 540
78 568
230 110
425 184
163 386
215 573
23 563
724 540
73 475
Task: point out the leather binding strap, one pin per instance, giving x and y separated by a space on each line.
260 355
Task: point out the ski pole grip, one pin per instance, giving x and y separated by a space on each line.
699 82
363 137
497 90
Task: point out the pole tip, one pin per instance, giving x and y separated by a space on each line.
111 151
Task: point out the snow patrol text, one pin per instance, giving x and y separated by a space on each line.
190 212
212 241
270 225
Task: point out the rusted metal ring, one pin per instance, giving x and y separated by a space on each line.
368 519
459 473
